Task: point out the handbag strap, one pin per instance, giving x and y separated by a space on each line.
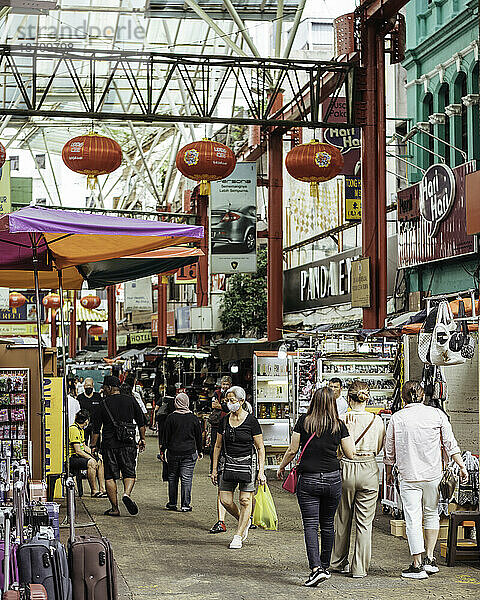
305 447
104 403
365 430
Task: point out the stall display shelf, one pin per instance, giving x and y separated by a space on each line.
277 380
356 374
272 421
14 414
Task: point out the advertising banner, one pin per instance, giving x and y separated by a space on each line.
347 139
353 198
53 393
27 312
361 283
233 221
138 295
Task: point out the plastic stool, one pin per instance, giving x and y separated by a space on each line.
458 553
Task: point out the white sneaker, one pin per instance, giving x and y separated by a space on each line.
236 543
245 533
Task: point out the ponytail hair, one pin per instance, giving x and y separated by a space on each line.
358 392
412 392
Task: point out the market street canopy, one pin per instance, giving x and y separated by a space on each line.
64 239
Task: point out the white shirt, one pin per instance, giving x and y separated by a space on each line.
138 398
413 442
342 406
79 388
73 408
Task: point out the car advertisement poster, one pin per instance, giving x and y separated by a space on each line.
233 221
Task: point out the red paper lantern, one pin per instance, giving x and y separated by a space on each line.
90 302
16 300
51 301
3 155
314 162
92 155
205 161
95 330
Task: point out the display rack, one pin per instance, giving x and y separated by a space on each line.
272 404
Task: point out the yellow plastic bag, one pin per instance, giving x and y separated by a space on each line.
265 513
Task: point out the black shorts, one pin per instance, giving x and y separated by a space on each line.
120 462
78 463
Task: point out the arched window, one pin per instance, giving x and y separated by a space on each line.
475 126
462 132
444 130
429 158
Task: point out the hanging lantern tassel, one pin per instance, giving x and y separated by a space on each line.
314 190
92 181
205 188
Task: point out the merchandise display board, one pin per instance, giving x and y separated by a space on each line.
14 410
272 404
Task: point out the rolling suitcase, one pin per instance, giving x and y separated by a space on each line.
92 567
44 561
20 592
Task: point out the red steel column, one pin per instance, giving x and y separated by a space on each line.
72 341
112 321
369 176
381 185
161 312
202 268
275 237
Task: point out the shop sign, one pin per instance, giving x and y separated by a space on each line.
347 139
53 396
328 282
170 323
122 339
361 283
437 194
186 274
27 312
26 329
233 221
138 295
353 198
439 214
5 189
140 337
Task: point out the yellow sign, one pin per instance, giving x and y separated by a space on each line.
361 283
353 198
53 393
141 337
22 329
5 192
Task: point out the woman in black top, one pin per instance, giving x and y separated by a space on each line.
320 484
182 439
239 434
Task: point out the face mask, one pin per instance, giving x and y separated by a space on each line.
88 390
233 406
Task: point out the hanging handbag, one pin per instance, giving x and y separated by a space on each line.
238 469
425 335
459 337
440 352
290 483
448 483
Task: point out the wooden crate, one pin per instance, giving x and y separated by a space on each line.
460 544
397 527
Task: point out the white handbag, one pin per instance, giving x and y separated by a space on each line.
425 336
445 327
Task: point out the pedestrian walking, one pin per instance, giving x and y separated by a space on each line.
360 484
319 433
118 418
219 409
182 442
416 437
240 441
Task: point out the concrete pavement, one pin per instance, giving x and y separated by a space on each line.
162 554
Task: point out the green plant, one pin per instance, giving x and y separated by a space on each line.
244 307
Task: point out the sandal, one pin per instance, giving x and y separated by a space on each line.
130 505
111 513
97 495
102 495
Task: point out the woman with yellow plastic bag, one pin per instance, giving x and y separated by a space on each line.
265 513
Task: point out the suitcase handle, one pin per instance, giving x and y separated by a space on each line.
6 555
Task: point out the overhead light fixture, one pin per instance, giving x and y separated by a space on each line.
234 368
282 352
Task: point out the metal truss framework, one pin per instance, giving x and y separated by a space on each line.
38 74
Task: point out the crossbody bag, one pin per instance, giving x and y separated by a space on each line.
290 483
238 469
124 431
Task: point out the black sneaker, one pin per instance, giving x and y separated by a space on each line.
170 507
317 577
415 572
430 565
219 527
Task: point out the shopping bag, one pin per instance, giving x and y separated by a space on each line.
445 327
265 513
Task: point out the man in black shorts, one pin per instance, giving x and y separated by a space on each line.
118 412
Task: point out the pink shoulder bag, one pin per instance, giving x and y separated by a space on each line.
290 483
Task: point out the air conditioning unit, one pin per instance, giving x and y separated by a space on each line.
201 318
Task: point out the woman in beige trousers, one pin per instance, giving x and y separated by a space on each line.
360 486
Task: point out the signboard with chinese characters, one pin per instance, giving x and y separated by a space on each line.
233 221
419 216
353 198
361 283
